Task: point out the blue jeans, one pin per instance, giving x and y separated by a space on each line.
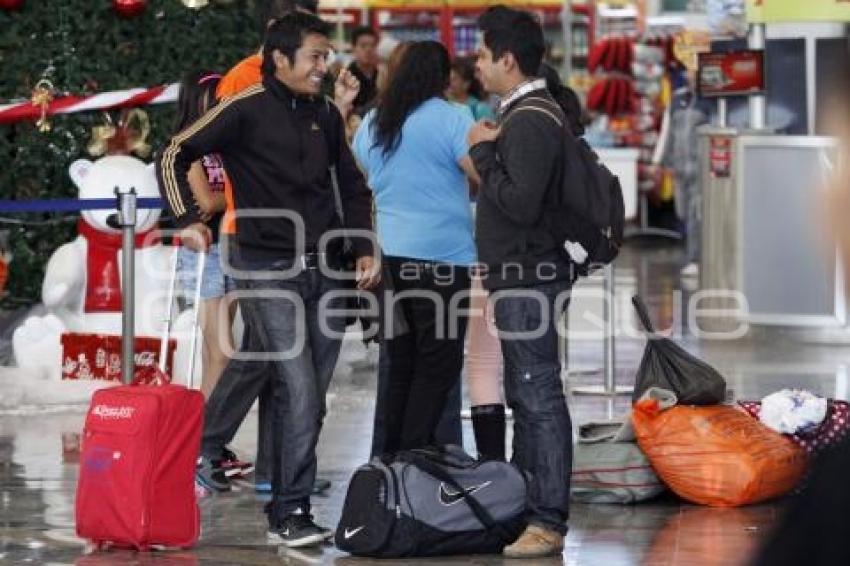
214 283
288 325
542 442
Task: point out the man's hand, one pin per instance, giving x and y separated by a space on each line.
196 237
346 89
483 131
367 273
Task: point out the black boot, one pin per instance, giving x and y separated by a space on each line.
488 423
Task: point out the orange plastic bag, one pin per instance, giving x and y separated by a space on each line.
717 455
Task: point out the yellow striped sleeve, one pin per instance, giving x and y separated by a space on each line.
169 174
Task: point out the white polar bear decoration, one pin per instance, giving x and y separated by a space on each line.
81 296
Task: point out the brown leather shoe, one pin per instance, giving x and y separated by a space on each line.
536 542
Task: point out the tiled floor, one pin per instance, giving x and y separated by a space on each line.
38 468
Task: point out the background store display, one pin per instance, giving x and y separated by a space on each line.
731 73
787 110
456 24
727 18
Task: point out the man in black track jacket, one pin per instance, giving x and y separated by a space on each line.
277 141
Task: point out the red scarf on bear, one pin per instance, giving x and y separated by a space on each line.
103 278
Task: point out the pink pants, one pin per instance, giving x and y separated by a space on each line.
484 353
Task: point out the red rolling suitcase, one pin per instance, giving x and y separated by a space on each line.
136 484
137 468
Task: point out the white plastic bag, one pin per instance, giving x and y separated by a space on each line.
792 411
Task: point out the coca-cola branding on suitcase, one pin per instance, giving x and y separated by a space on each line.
109 412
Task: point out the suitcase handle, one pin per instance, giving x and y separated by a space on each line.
196 307
161 375
169 311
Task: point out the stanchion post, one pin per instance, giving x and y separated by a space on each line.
609 364
127 221
609 386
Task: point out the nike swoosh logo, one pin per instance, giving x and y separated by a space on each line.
348 534
451 497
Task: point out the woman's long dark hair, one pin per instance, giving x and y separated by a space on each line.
466 69
197 95
566 98
423 74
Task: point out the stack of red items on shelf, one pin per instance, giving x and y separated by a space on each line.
614 93
611 95
612 54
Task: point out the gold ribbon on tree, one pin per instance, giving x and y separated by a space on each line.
129 136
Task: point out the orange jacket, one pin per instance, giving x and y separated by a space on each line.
244 74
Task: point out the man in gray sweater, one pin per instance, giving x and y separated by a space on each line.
521 163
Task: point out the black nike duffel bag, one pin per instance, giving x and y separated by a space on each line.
432 502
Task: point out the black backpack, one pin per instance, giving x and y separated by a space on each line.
589 208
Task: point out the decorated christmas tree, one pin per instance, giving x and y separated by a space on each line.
80 48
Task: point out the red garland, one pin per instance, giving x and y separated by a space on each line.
32 112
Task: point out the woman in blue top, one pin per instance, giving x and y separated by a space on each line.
413 150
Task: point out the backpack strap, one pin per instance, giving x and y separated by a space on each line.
332 140
326 122
553 111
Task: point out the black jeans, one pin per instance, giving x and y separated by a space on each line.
230 402
234 395
543 443
301 345
449 429
425 363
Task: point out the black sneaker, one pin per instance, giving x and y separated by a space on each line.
232 466
297 530
209 475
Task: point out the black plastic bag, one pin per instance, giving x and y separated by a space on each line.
667 365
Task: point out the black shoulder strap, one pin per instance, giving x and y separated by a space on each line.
331 133
541 105
432 469
326 122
